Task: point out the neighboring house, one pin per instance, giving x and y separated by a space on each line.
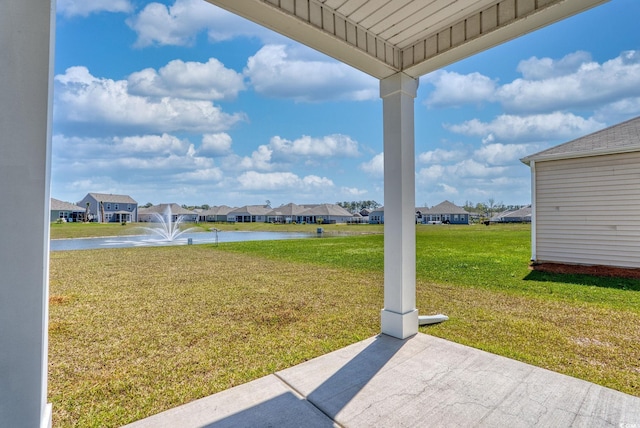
523 215
149 214
365 215
249 214
215 214
444 212
326 214
66 211
289 213
586 199
358 219
105 208
377 216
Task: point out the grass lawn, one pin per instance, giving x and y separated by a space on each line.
137 331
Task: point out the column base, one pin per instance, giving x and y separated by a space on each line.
398 325
46 422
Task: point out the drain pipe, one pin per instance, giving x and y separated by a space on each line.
431 319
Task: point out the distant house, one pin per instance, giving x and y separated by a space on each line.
444 212
326 213
105 208
586 199
215 214
522 215
289 213
147 214
66 211
249 214
377 216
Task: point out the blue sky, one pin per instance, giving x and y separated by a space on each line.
179 101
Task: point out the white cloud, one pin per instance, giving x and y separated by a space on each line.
190 80
510 128
180 23
81 98
252 180
280 152
618 111
429 175
206 174
470 168
352 191
374 167
448 190
215 144
572 82
335 145
279 71
502 154
440 155
165 153
546 68
152 144
260 159
577 85
454 89
70 8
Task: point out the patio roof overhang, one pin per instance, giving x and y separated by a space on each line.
415 37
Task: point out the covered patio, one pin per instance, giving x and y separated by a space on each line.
394 41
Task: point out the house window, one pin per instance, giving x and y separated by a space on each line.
109 206
128 207
116 207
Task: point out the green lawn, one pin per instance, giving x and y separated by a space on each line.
136 331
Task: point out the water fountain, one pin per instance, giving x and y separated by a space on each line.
166 228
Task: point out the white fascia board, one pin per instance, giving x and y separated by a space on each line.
510 31
598 152
303 32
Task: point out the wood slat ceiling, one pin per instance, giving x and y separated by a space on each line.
383 37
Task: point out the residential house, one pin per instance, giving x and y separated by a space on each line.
445 212
66 211
586 199
377 216
249 214
105 208
289 213
151 213
326 214
215 214
522 215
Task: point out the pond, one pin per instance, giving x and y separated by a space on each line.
151 241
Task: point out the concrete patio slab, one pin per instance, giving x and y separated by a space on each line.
264 402
420 381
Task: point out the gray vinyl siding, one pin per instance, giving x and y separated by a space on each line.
588 210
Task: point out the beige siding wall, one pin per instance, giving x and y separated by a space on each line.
588 210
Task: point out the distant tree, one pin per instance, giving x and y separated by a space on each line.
267 203
491 203
205 206
357 206
147 205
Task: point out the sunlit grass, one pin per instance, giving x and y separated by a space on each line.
137 331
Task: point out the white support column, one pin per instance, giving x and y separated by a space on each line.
26 46
399 318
